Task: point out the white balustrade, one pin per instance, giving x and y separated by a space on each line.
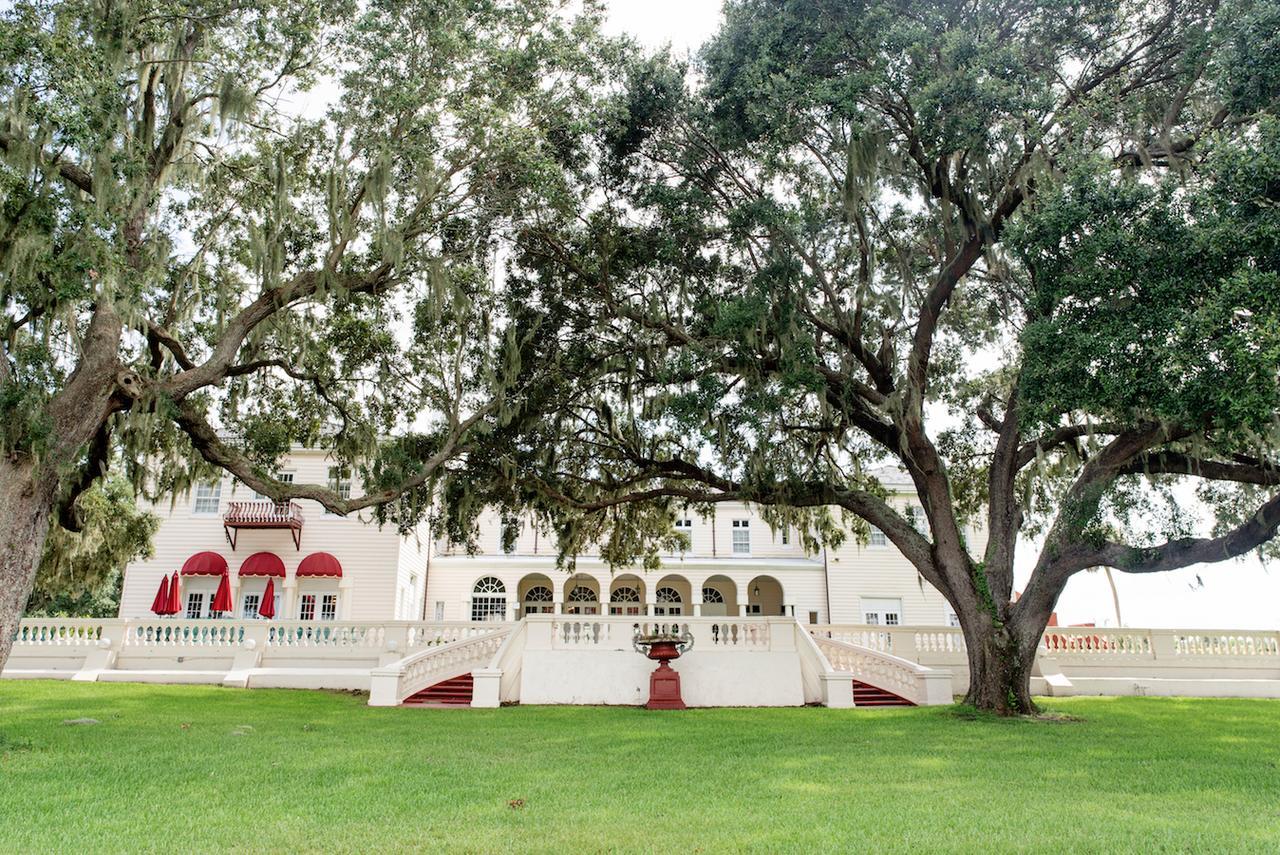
61 632
1227 643
167 632
879 669
393 683
616 631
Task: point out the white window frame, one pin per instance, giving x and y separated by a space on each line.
207 499
741 527
668 603
304 601
286 477
328 607
877 538
684 527
489 604
196 599
882 611
339 481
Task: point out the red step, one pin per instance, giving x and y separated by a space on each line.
867 695
454 692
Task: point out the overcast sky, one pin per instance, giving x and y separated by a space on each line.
1231 594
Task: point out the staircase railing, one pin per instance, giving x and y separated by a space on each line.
904 678
391 684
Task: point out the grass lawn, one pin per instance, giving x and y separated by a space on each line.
205 768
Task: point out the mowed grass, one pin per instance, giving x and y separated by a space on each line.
206 768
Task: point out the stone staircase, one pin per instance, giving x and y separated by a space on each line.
867 695
453 692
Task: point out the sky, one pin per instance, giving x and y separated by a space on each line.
1232 594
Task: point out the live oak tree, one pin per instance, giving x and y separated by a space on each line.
230 227
1025 252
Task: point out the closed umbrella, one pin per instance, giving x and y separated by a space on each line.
175 597
222 599
267 608
160 605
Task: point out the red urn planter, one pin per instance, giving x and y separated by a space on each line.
664 682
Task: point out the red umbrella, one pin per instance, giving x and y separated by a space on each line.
267 607
222 599
160 605
175 597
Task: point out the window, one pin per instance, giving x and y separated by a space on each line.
439 610
881 612
711 595
537 600
953 619
329 607
628 597
249 608
668 602
207 498
340 481
813 617
489 600
742 537
786 535
684 528
286 477
877 537
307 608
582 595
195 605
915 516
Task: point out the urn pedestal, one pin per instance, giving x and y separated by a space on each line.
664 682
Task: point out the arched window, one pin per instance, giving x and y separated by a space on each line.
711 595
537 600
624 600
579 595
489 599
668 601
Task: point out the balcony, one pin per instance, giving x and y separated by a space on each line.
263 515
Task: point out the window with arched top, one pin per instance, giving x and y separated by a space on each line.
489 599
582 594
711 595
624 600
537 600
626 595
669 601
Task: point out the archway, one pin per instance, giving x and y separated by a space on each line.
626 595
582 595
719 597
764 596
672 596
537 595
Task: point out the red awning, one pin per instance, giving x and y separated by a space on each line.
262 564
205 564
319 564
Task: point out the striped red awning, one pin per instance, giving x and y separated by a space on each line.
262 564
205 564
319 564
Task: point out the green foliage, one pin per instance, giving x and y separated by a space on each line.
81 572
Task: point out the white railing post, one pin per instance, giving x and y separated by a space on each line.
486 688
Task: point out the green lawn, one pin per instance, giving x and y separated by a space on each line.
201 768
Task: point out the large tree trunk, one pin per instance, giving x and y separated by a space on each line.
26 503
1000 663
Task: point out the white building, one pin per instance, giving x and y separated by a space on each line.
326 567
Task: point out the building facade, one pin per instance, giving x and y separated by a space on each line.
320 566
